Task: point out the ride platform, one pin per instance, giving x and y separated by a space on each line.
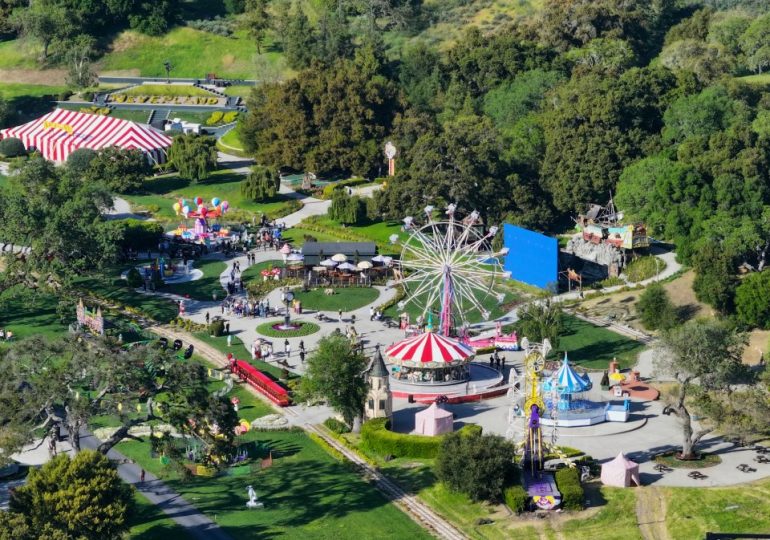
485 382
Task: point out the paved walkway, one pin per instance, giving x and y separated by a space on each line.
174 505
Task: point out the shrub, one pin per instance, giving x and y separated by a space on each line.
376 436
134 278
217 328
118 98
88 96
478 465
568 482
335 426
655 308
516 498
12 147
230 117
215 118
644 268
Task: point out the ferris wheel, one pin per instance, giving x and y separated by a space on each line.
450 263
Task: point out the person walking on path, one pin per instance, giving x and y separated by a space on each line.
208 317
339 312
302 356
302 345
141 477
371 313
287 348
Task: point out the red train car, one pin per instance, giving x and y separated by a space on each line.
264 384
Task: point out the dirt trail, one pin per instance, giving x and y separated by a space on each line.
651 513
34 76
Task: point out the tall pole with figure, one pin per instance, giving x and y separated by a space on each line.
390 153
167 67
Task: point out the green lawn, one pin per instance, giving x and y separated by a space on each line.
616 520
195 117
296 236
18 54
192 53
241 352
9 91
378 232
140 116
253 271
151 523
167 90
30 313
110 286
231 141
473 315
693 512
242 91
207 286
164 191
307 494
593 346
346 299
761 79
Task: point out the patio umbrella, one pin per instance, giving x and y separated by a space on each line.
329 263
346 266
339 257
379 258
294 257
363 265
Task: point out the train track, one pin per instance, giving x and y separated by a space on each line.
409 504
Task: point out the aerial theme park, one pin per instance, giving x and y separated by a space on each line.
465 270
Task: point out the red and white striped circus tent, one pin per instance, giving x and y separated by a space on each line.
60 132
429 350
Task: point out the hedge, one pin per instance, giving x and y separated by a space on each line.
217 328
328 190
335 426
377 437
12 147
568 482
516 498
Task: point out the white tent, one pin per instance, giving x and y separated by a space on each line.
433 421
620 472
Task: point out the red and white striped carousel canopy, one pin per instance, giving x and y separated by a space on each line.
429 348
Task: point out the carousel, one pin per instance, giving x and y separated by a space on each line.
430 359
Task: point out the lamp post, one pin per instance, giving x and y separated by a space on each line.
167 67
287 298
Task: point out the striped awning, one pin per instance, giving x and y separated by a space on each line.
429 350
60 132
569 381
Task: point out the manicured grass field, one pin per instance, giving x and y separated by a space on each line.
241 352
9 91
253 271
231 141
140 116
242 91
207 286
17 54
195 117
346 299
296 236
166 90
164 191
473 315
110 286
761 79
306 328
307 494
192 53
30 313
593 347
379 232
151 523
693 512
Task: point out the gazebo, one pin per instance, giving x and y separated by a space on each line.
567 384
620 472
430 358
433 421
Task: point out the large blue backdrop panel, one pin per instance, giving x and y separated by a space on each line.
532 258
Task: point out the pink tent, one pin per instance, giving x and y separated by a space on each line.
620 472
433 421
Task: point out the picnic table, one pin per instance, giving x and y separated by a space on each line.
697 475
661 468
743 467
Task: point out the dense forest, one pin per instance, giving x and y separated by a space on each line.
661 103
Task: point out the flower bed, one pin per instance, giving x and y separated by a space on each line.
305 329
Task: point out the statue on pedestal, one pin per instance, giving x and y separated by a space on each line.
253 502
